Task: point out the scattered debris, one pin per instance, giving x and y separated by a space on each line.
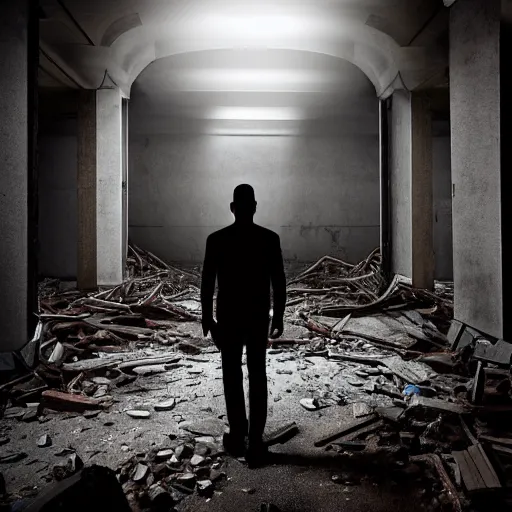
139 414
44 441
59 401
166 406
311 404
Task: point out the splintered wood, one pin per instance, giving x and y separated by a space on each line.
476 469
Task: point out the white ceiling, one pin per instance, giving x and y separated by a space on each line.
193 57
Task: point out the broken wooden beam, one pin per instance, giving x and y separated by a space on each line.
347 429
438 405
58 401
505 441
476 469
281 435
499 353
149 361
437 463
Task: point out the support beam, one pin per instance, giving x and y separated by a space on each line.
87 266
478 228
17 174
100 188
411 190
385 233
422 193
109 186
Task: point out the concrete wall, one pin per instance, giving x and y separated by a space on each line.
475 121
58 208
13 175
320 193
442 188
400 184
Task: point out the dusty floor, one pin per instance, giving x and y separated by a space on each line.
299 477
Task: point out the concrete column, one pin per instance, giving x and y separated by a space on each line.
476 165
422 201
87 265
14 175
109 187
410 178
100 189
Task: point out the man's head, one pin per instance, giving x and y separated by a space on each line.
244 203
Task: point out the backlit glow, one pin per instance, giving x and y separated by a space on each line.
255 114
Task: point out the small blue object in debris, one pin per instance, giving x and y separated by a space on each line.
411 389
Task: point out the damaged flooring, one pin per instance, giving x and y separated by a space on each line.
390 407
293 479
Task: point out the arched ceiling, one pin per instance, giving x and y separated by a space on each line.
385 39
280 85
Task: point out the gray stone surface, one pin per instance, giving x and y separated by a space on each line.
318 187
109 211
13 175
400 184
476 168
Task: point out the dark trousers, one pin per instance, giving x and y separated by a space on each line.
232 345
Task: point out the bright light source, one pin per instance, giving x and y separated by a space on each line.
253 79
256 113
253 26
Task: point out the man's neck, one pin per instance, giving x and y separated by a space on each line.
244 222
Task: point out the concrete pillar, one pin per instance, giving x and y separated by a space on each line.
14 175
478 228
410 178
109 191
87 266
422 200
100 188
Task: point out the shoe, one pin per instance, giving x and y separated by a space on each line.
257 455
234 446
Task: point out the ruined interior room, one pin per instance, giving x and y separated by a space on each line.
374 136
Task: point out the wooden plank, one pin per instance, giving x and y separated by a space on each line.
454 333
59 401
500 353
281 435
467 431
470 476
410 371
439 405
505 441
372 361
363 430
484 467
347 429
436 462
338 328
502 450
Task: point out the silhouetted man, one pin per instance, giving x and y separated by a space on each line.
246 259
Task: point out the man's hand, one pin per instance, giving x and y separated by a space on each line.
208 324
277 328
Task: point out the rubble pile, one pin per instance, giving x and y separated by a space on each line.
161 478
442 400
426 391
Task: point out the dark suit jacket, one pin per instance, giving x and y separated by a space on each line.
246 260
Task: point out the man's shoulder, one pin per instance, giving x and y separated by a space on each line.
218 235
266 233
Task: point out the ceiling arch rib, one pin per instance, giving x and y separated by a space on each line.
134 37
373 52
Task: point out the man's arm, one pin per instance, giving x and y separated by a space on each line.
208 285
278 280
